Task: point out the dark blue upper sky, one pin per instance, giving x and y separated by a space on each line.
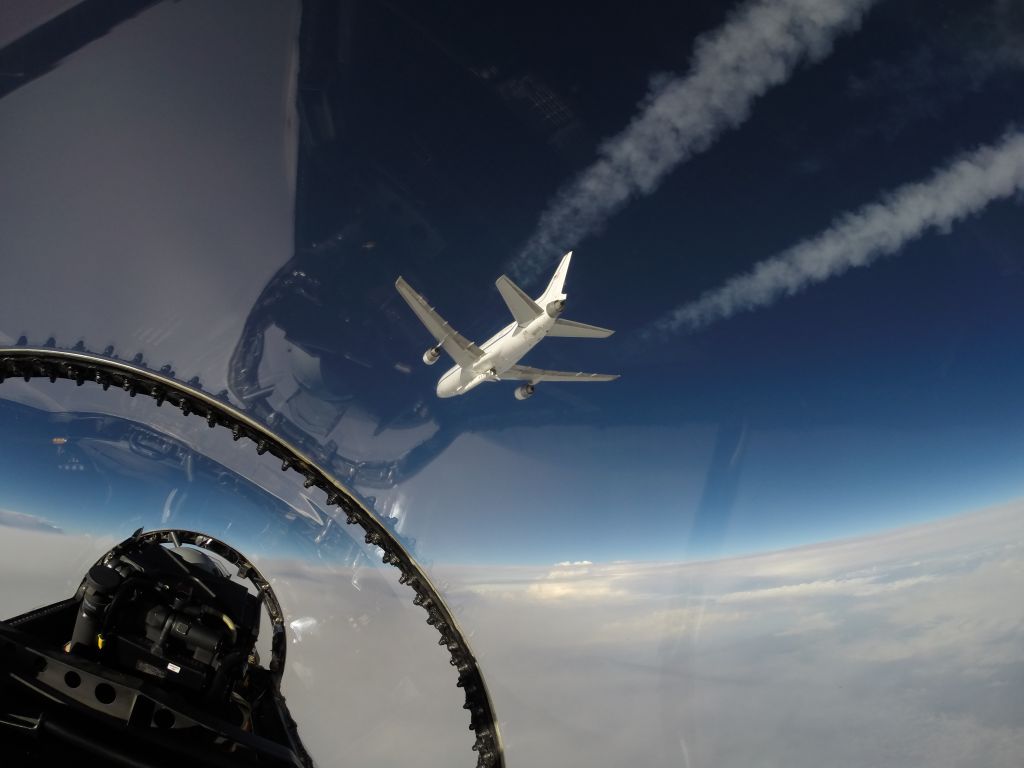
434 141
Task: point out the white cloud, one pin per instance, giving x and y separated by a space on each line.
859 586
39 565
902 648
556 590
757 48
857 239
13 519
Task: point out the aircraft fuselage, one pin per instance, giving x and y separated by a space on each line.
503 350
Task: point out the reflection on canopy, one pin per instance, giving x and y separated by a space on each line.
225 193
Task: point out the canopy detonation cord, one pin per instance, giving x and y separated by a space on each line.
80 365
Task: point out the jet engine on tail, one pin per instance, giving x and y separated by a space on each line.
554 308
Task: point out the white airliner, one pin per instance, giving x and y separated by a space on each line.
497 358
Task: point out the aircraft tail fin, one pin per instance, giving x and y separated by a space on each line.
579 330
554 291
523 308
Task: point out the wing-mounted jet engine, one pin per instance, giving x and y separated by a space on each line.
432 355
525 391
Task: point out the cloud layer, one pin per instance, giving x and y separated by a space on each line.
757 48
953 193
905 648
898 649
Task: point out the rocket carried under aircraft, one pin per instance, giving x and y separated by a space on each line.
497 359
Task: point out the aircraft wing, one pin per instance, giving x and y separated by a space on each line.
462 350
533 375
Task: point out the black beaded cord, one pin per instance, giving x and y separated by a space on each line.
134 378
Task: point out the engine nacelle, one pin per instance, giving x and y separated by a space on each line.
432 355
554 308
525 391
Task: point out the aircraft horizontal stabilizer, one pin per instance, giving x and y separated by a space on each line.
524 309
534 375
579 330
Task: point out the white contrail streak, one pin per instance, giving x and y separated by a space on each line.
856 239
757 48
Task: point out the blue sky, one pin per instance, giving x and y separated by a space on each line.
881 396
113 474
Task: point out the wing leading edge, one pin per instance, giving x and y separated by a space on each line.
534 375
462 350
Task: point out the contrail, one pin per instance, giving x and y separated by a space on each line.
759 46
856 239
